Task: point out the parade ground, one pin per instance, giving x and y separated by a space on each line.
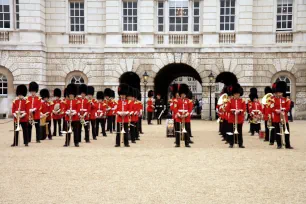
153 171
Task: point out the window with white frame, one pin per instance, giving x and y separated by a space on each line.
196 16
77 18
129 15
227 15
160 16
77 80
284 15
17 14
5 18
3 85
178 15
288 82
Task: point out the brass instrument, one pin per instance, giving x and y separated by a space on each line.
266 99
44 123
223 99
122 132
69 112
18 128
282 125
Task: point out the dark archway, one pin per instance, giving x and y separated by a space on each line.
130 78
169 73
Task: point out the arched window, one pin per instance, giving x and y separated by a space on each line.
287 80
3 85
77 80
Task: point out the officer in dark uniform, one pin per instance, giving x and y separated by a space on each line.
159 107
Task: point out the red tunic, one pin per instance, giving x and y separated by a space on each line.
236 104
278 104
255 108
45 107
84 108
34 103
22 105
72 105
101 109
58 115
150 107
183 105
267 111
92 109
140 109
123 105
135 111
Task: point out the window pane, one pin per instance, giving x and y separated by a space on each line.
222 3
226 26
77 28
278 25
135 20
172 12
7 24
6 8
72 20
196 28
82 20
290 17
160 12
71 5
77 5
82 28
76 13
135 4
130 12
82 13
196 20
227 3
124 12
196 12
77 20
130 27
232 19
4 91
283 24
221 26
289 24
82 5
71 12
124 4
135 27
185 27
232 10
185 20
72 28
172 20
227 11
160 28
222 19
134 12
171 28
178 27
196 4
6 16
1 16
232 26
284 18
233 3
160 4
160 20
125 27
130 4
178 20
226 18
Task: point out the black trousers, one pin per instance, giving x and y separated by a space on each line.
233 138
37 128
255 128
188 129
220 126
159 121
178 133
55 123
126 129
64 124
150 115
92 126
114 122
43 131
267 136
137 130
100 121
279 138
24 126
109 124
133 131
140 125
75 128
86 129
224 130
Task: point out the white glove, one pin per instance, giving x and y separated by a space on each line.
15 115
24 114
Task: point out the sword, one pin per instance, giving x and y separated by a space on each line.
161 114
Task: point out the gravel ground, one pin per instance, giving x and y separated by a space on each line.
153 171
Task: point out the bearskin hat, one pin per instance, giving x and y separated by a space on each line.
237 89
44 93
123 89
65 92
21 90
139 95
112 94
100 95
83 89
57 92
253 90
71 90
183 89
90 90
281 86
130 91
135 92
108 92
150 93
174 89
189 95
33 86
253 94
268 89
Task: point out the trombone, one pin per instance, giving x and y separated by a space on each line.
283 126
18 128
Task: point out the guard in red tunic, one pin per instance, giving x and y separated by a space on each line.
109 112
84 113
189 96
267 114
100 113
114 108
92 109
280 108
255 111
45 115
57 112
236 108
34 114
63 106
20 113
72 109
137 113
183 111
150 106
133 110
140 114
123 112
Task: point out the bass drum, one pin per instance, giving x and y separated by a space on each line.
170 128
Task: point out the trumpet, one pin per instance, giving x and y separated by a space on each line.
44 123
18 128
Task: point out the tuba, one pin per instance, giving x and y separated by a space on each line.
223 99
266 99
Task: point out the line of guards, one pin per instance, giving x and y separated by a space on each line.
273 111
77 113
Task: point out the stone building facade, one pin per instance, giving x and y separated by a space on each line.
97 41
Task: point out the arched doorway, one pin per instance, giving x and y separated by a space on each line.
7 93
130 78
177 73
169 73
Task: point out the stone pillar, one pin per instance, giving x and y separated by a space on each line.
205 102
